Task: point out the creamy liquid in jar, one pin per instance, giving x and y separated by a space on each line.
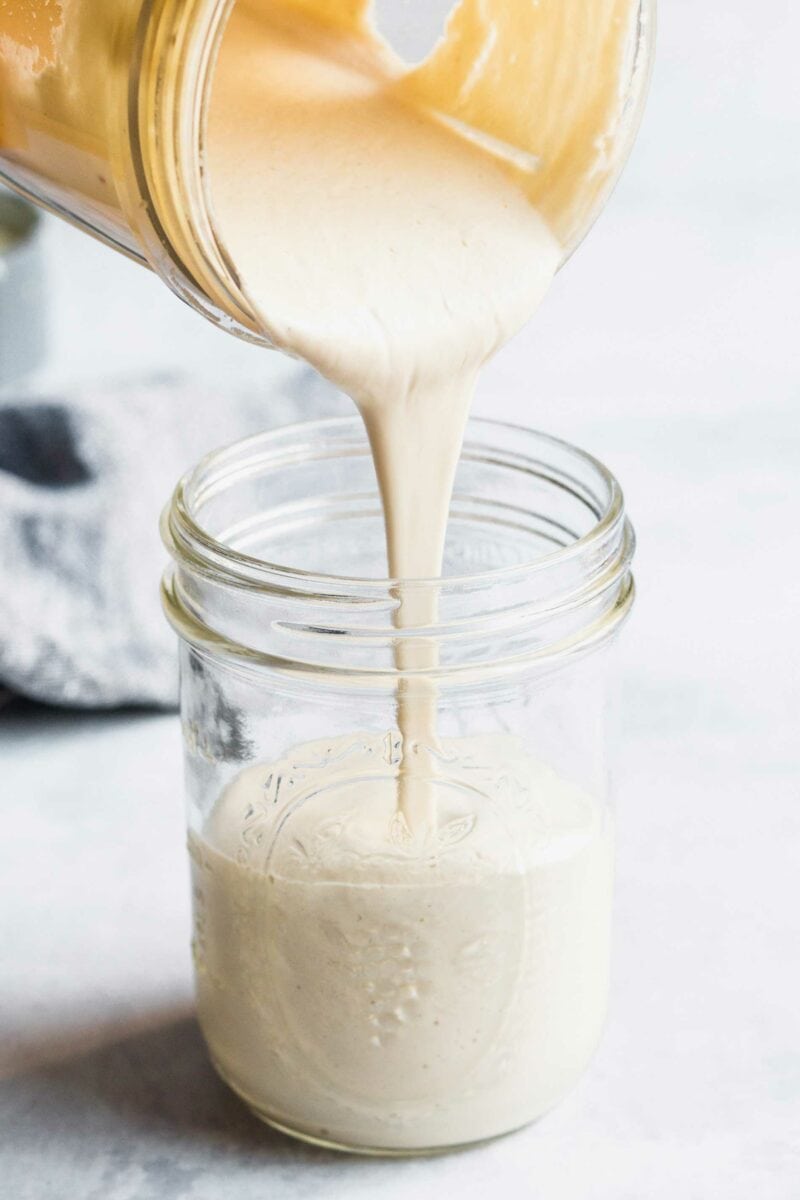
394 228
359 991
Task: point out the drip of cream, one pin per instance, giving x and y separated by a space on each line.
376 240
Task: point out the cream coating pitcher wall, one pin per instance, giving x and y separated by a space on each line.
103 109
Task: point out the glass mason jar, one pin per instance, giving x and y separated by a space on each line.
103 112
362 984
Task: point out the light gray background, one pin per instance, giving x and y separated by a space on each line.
669 347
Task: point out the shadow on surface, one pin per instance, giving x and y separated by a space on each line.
153 1089
23 720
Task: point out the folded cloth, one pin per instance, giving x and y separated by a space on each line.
83 480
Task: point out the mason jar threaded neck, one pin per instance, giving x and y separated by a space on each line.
277 545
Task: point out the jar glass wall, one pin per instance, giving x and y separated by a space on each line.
361 983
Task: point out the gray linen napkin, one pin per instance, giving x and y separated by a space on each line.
83 480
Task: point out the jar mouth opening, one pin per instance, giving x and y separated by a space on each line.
307 495
189 540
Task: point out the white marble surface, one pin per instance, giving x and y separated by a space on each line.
668 347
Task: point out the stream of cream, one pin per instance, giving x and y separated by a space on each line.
416 975
397 254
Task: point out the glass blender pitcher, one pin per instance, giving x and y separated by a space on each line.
103 107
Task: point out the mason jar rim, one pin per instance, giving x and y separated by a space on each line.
495 621
185 537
